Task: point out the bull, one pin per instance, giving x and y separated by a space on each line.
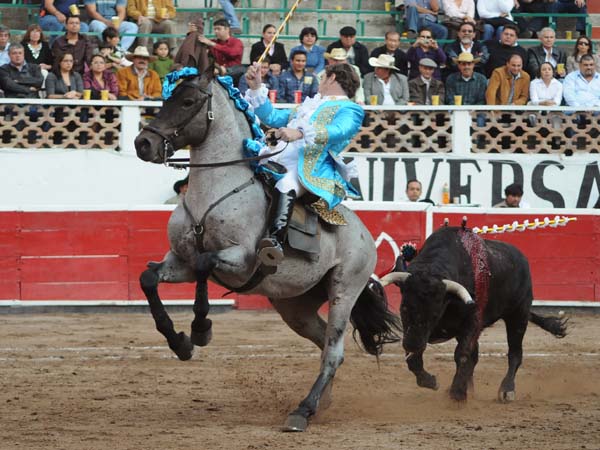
458 285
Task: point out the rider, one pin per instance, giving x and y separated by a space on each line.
312 137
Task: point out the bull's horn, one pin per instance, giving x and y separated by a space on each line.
459 290
394 277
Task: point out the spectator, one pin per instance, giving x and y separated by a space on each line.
466 43
546 90
19 79
37 50
573 7
138 82
501 50
229 13
226 49
413 190
546 52
296 78
315 61
163 63
54 13
112 50
513 197
583 46
180 187
75 43
63 81
102 12
458 12
192 53
270 81
276 53
467 83
582 87
99 78
4 45
339 56
424 87
153 17
509 85
423 14
390 86
425 47
535 24
357 52
495 15
391 47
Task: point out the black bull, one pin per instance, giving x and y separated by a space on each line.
454 267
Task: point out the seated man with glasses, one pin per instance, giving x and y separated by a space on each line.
465 43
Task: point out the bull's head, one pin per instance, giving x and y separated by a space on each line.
424 300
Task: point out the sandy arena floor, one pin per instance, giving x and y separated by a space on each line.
109 382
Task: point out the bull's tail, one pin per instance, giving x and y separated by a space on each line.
555 325
375 323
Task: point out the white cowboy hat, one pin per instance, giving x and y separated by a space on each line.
339 54
140 52
384 60
466 57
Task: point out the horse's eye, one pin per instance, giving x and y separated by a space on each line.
188 102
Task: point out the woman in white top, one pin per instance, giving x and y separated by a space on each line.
458 12
545 90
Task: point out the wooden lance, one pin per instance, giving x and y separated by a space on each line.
287 17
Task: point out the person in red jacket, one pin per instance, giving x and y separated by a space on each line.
226 49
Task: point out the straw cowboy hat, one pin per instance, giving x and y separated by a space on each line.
141 52
339 54
466 57
385 61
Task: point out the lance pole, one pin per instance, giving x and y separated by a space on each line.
287 17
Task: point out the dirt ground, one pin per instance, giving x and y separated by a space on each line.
109 382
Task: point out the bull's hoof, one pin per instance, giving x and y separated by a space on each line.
506 396
295 422
458 395
202 338
428 381
185 349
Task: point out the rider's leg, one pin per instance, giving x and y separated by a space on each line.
270 249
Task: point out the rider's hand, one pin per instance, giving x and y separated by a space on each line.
289 134
253 76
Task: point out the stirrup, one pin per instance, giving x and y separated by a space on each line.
270 252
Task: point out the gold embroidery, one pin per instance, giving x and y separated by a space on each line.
331 216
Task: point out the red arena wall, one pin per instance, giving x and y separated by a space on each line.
99 255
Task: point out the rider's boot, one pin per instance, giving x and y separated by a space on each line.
270 250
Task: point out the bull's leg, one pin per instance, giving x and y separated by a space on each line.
474 361
171 270
424 378
465 365
516 325
201 333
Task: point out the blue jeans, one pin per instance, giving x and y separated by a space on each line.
124 28
229 13
51 23
414 22
568 6
490 33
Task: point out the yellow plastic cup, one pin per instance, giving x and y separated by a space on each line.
388 6
74 10
116 21
373 100
87 94
458 100
164 13
435 100
104 94
338 8
560 67
569 34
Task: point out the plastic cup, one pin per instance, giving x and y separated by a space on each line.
458 100
297 96
87 94
560 67
388 6
116 21
456 200
104 94
373 100
164 13
273 95
569 34
435 100
74 10
338 8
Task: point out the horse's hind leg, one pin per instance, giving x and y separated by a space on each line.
171 270
201 326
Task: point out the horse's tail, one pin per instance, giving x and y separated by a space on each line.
375 323
555 325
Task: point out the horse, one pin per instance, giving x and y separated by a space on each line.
214 235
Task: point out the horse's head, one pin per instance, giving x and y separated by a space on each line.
183 120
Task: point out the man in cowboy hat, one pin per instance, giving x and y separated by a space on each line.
467 83
340 56
386 82
180 187
424 87
138 82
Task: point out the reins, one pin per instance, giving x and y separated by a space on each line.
176 162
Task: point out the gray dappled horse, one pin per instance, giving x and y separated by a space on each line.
215 235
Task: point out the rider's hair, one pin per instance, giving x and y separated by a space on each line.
345 76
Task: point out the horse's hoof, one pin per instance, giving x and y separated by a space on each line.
295 422
185 350
202 338
428 381
270 255
506 397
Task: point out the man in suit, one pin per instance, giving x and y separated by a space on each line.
424 87
465 43
391 47
546 52
357 52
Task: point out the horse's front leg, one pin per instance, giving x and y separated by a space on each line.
201 333
170 270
